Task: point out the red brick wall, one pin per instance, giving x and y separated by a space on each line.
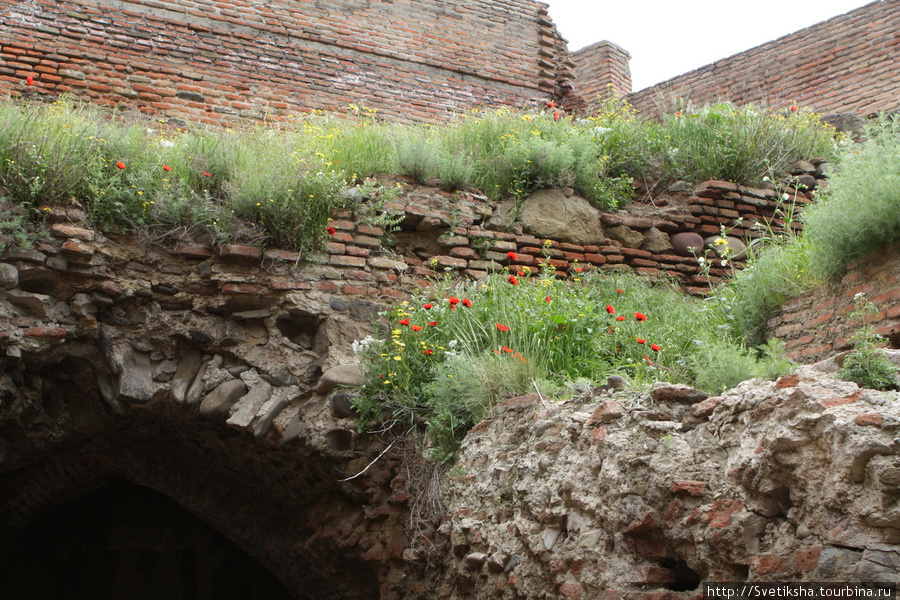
599 68
818 324
847 64
219 62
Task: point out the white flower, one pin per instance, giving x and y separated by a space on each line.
701 260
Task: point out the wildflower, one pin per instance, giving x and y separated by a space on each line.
640 340
520 273
610 309
649 362
417 328
403 321
511 255
579 270
432 323
466 302
428 351
167 168
640 316
505 349
453 301
206 174
720 241
655 348
620 318
120 164
29 80
331 231
678 114
550 104
502 327
427 306
513 280
620 291
548 299
794 108
556 115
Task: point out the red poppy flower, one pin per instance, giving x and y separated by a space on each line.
550 104
513 280
466 302
620 318
649 362
511 255
678 114
428 351
505 349
794 108
655 348
206 174
640 316
29 80
610 309
417 328
167 168
120 164
432 323
620 291
556 115
502 327
427 306
579 270
548 299
331 231
640 340
403 321
453 300
452 307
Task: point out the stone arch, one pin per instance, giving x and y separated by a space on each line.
69 423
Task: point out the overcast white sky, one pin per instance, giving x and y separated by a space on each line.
669 37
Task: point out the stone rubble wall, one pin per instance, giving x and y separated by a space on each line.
819 325
220 63
643 498
847 64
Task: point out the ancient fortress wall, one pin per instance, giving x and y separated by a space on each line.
218 62
601 69
847 64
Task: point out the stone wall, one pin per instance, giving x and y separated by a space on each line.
818 324
601 69
218 63
847 64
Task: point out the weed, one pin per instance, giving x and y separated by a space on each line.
867 365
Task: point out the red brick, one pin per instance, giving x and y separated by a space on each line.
243 288
347 261
838 401
721 511
788 381
573 591
290 285
869 420
807 560
767 564
57 333
689 488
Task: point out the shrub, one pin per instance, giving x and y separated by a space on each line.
861 210
448 357
867 364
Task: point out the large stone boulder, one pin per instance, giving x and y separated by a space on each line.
551 214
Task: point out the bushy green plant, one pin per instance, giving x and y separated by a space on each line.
740 144
867 364
860 212
448 357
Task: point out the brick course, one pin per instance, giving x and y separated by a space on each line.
847 64
219 63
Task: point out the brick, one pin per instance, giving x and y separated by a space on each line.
190 251
869 420
689 488
243 288
241 253
346 261
56 333
68 231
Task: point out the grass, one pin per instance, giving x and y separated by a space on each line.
445 358
277 186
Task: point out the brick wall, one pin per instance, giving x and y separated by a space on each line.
599 68
818 324
197 60
847 64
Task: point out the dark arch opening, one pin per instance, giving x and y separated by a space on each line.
124 541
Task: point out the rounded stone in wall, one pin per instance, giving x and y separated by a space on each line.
687 243
737 250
